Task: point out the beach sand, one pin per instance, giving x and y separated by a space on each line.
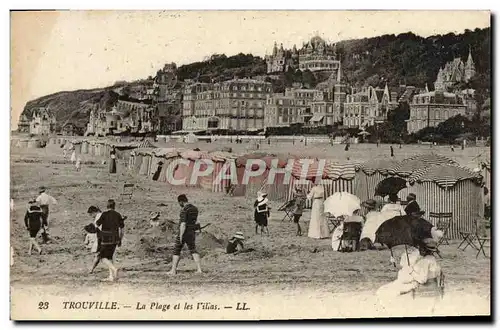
299 277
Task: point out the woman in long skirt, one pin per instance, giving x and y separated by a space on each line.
112 163
318 227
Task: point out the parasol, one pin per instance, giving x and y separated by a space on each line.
364 133
389 186
342 203
403 230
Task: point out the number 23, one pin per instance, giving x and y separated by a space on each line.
43 305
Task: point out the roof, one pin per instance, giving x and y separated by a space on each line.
410 165
312 172
222 156
194 155
445 176
334 170
433 93
166 152
144 151
381 166
146 144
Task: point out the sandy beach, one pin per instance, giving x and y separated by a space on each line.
285 277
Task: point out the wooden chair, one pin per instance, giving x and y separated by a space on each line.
442 221
128 190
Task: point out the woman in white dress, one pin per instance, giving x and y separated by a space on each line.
318 227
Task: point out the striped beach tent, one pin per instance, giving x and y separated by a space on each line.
216 181
241 167
369 174
186 172
167 156
142 160
449 188
277 184
407 166
339 177
273 164
305 173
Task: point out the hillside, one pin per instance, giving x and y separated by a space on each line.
405 58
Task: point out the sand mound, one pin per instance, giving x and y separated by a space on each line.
159 241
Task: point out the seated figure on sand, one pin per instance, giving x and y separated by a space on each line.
419 267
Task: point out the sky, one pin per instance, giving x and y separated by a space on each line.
69 50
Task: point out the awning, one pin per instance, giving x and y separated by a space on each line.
317 118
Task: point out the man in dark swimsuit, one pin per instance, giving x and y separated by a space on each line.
111 234
187 235
33 221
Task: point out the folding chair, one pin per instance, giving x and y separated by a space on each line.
128 190
333 222
469 237
442 221
288 209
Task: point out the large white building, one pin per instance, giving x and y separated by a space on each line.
431 108
236 104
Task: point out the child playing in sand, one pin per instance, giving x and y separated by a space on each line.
235 244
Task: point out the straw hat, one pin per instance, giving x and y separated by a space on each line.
154 215
239 235
429 244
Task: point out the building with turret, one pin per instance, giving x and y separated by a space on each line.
124 118
369 106
454 72
315 55
43 122
24 124
281 60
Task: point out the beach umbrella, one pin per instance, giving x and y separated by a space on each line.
342 203
364 133
389 186
403 230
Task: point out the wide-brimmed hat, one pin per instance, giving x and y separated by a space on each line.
429 244
261 194
154 215
371 203
239 235
42 189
